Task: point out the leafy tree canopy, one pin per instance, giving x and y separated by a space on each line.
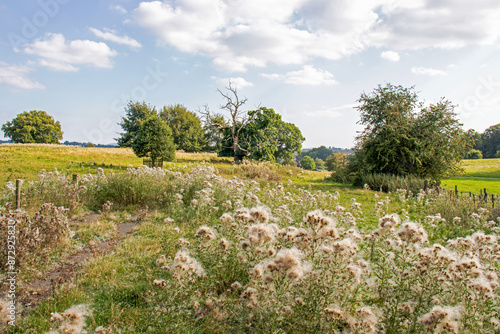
402 136
266 137
186 128
321 152
35 126
490 142
154 139
135 114
308 163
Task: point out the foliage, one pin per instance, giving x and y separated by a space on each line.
213 133
336 161
34 236
233 125
318 152
135 114
320 164
34 126
391 183
473 154
235 255
186 128
402 137
490 142
154 139
268 137
307 163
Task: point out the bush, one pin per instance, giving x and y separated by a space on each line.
391 183
474 154
307 163
35 236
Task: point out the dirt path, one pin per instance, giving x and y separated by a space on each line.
35 291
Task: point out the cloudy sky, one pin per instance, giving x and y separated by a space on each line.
82 61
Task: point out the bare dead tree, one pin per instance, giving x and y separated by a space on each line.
236 121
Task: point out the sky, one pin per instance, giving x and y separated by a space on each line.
309 60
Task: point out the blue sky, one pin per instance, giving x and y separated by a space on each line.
82 61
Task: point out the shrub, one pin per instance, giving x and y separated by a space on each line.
307 163
474 154
35 236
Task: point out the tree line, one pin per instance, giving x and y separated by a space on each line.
256 134
402 135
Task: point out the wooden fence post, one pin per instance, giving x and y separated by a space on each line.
485 195
456 191
75 179
18 194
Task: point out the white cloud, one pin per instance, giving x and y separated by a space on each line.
390 55
427 71
240 34
118 8
60 55
111 35
308 75
238 83
16 76
333 112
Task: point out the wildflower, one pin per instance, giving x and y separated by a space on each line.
186 265
411 232
345 247
441 315
224 243
73 319
168 220
183 242
205 232
260 214
226 218
159 282
236 286
262 233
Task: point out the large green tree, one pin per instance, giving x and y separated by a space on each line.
154 140
266 137
402 136
35 126
490 142
186 128
135 114
308 163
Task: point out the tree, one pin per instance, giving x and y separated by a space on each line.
268 137
491 142
233 125
307 163
35 126
154 139
403 137
214 135
336 161
186 128
135 114
473 154
318 152
320 164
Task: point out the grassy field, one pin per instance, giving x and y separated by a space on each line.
482 168
478 175
274 250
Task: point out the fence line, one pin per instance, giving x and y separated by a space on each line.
482 197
